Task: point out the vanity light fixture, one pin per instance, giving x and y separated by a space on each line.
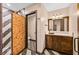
53 17
61 16
57 17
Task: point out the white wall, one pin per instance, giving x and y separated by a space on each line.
42 17
32 26
73 22
5 29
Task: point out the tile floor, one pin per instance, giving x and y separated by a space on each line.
46 52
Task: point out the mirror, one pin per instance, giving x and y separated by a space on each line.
59 24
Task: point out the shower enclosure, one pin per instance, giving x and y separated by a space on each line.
31 29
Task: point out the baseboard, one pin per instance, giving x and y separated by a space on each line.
41 53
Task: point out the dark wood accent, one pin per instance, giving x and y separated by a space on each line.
0 28
78 47
68 24
54 26
11 34
32 40
26 28
48 24
78 30
60 43
67 17
62 25
26 32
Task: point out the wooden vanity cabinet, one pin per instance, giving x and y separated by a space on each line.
58 43
50 42
67 45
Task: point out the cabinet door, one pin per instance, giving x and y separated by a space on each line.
49 42
54 43
58 43
67 45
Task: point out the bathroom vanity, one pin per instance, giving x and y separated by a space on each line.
63 44
56 41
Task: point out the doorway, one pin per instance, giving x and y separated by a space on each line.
31 31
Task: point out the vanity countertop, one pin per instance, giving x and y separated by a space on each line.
58 35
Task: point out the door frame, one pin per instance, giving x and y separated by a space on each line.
78 32
0 28
26 28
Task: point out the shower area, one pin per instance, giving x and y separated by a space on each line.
19 31
13 32
31 31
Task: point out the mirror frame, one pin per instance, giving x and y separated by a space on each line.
60 26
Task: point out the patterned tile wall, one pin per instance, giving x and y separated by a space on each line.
6 31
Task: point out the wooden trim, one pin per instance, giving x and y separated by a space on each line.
11 33
78 25
78 47
78 31
61 24
67 22
26 28
32 40
45 41
36 31
26 32
0 28
48 24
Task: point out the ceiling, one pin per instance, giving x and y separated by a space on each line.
55 6
16 6
48 6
